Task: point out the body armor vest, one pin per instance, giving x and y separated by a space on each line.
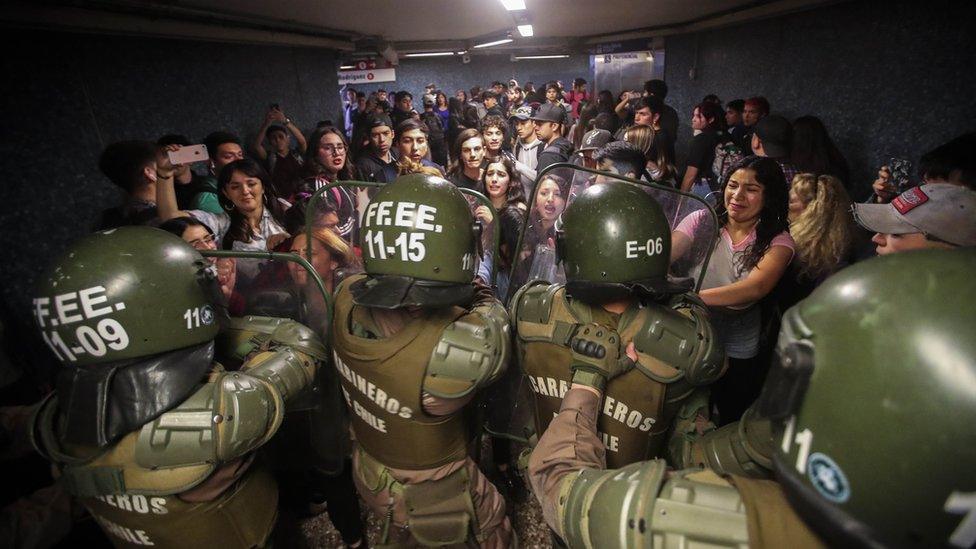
382 380
139 507
637 410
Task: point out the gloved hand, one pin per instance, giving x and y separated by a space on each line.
596 355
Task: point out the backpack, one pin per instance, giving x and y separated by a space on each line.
727 154
433 122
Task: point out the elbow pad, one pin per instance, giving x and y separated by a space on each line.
234 414
636 507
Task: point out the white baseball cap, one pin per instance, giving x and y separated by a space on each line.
942 210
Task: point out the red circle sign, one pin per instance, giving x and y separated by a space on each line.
361 65
369 76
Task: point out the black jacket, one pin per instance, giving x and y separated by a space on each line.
558 151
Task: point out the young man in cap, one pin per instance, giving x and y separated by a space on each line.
527 146
593 140
548 122
620 158
430 92
378 155
772 138
283 162
936 215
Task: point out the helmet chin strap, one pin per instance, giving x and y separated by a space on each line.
101 403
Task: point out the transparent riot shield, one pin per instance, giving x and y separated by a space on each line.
693 224
694 234
292 286
554 189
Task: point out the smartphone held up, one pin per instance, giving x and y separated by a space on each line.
188 155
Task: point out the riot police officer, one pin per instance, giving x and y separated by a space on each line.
152 436
414 341
614 243
871 399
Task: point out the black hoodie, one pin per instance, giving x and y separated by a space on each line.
557 151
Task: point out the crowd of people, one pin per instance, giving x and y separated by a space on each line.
779 189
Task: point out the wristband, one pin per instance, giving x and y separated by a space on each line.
590 379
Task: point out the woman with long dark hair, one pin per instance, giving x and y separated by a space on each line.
812 150
442 109
752 253
253 217
539 239
327 160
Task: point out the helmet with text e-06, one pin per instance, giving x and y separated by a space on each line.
418 242
614 240
123 294
872 393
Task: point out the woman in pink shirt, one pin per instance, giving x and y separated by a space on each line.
752 253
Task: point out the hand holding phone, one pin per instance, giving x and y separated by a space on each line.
188 155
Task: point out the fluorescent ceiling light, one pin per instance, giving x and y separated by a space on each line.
430 54
495 43
514 5
460 52
347 67
541 57
525 30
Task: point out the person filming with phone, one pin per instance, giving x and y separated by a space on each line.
282 161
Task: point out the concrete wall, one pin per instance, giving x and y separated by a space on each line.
63 97
888 78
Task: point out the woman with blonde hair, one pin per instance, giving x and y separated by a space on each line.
660 165
820 223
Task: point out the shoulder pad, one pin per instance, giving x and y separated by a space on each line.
532 302
223 420
472 352
678 344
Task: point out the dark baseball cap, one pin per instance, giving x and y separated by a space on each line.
776 134
550 112
376 120
522 113
595 139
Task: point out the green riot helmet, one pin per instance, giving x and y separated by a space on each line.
418 244
130 312
873 398
614 240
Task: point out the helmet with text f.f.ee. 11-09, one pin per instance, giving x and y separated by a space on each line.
131 314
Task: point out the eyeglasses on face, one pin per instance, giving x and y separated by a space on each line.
204 242
332 149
